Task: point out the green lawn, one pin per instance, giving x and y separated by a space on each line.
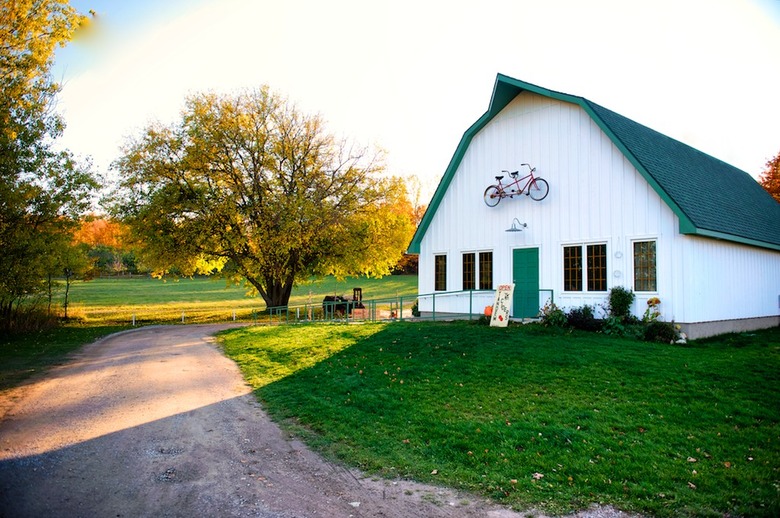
25 355
532 417
203 299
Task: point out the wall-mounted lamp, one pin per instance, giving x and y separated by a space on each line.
516 226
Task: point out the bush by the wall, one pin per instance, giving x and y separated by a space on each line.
630 327
553 316
659 331
620 301
613 326
583 318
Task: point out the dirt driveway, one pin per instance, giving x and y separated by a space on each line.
156 421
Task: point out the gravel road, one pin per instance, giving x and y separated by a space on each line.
157 422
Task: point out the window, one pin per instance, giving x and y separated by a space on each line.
440 273
572 268
644 266
486 270
482 271
594 277
597 267
469 274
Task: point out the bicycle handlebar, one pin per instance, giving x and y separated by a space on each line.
532 169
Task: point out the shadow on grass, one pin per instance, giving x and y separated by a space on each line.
540 419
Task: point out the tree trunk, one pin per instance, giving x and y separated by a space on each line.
67 289
49 283
6 309
274 292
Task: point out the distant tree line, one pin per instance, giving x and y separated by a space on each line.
103 243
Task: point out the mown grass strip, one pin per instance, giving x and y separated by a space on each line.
553 421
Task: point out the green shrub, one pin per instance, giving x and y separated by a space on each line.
620 301
29 316
630 327
483 320
659 331
583 318
553 316
613 326
416 309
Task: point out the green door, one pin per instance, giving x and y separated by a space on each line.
525 275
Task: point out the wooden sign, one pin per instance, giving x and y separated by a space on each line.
500 317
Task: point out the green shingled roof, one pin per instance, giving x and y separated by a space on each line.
710 197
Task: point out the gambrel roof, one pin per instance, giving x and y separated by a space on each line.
710 197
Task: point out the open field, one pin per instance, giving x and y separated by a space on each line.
202 299
533 417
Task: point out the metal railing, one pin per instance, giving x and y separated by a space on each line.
477 300
399 308
440 305
372 310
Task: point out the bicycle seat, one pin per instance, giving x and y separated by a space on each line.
514 174
499 178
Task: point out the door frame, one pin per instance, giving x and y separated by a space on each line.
526 294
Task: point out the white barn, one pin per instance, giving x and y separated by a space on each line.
627 206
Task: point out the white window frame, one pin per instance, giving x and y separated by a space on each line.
583 246
446 268
477 267
647 239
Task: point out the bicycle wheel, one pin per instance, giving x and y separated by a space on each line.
538 189
492 196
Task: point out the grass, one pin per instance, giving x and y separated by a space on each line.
104 306
534 418
203 299
26 355
531 417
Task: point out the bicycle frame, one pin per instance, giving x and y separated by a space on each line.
530 185
504 188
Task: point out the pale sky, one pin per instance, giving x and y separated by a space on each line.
410 76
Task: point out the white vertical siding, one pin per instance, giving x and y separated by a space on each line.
596 196
724 281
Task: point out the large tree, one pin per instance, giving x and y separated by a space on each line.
43 191
770 178
249 185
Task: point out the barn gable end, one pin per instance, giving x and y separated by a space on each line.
615 187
